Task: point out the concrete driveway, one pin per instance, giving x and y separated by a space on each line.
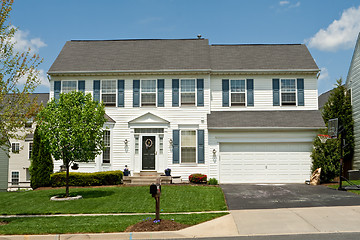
272 196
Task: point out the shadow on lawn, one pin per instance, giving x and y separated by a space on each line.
90 194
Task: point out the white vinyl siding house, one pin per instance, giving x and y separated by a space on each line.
353 84
160 107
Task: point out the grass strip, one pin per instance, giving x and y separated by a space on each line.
89 224
344 183
122 199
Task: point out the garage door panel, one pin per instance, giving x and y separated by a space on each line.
260 162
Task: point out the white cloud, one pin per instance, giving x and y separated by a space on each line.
287 4
295 5
42 77
23 43
282 3
340 34
324 74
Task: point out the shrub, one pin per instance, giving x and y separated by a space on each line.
41 166
87 179
197 178
213 181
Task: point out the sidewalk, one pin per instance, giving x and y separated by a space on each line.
244 223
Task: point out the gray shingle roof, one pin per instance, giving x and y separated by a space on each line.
261 57
323 98
117 55
265 119
178 54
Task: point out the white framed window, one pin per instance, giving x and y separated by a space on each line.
188 92
15 178
188 146
15 147
29 123
148 92
238 93
136 144
68 86
161 144
108 92
27 174
288 92
106 152
30 149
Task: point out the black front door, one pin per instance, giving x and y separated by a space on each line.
148 152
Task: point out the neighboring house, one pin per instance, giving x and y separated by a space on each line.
323 98
20 152
238 113
353 84
4 169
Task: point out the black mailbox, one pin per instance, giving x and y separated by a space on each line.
153 189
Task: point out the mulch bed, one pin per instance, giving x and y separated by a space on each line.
3 223
150 226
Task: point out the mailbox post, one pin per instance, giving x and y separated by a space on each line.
155 191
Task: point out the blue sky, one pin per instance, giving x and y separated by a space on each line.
329 28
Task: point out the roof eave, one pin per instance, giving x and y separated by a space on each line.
128 72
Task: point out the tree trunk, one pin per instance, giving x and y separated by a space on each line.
67 179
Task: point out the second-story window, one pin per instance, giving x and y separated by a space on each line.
148 92
30 149
188 92
238 93
288 92
15 147
108 92
68 86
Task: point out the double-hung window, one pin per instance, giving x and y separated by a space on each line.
238 93
15 147
15 178
188 92
30 149
288 92
108 92
106 152
68 86
188 146
148 92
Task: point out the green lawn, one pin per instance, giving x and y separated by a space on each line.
344 183
123 199
89 224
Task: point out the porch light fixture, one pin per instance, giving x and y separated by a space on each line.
214 151
170 141
126 142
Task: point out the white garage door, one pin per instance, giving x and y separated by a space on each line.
265 162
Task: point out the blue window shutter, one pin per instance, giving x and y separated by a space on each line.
300 91
160 85
201 152
81 86
136 93
57 89
200 92
175 92
96 90
121 87
225 92
176 146
276 92
250 92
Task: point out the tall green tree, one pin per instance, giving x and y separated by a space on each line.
327 155
72 128
16 106
42 165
